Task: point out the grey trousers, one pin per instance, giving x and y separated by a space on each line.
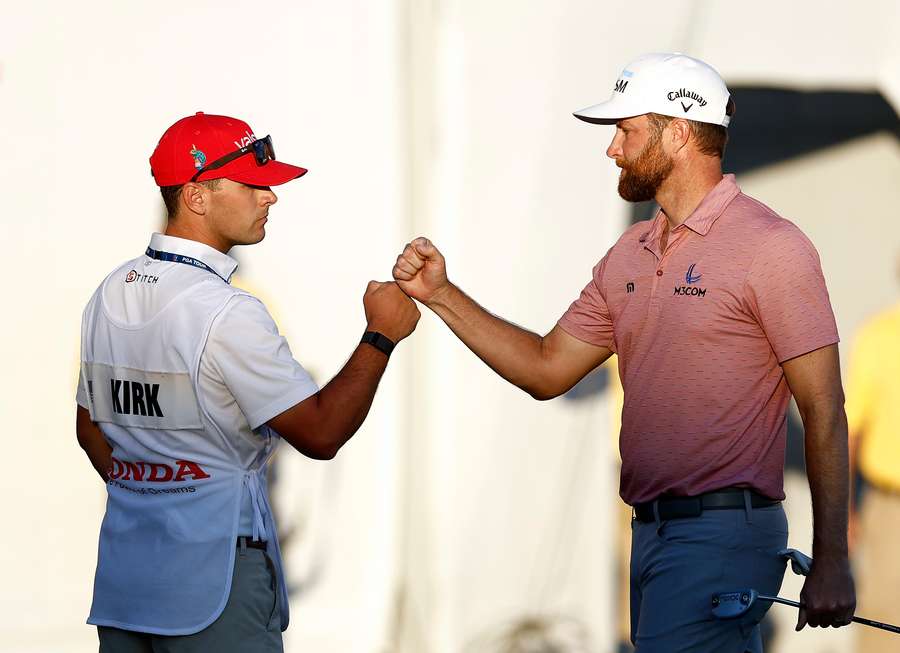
251 620
677 565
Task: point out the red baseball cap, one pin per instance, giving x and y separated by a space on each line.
198 141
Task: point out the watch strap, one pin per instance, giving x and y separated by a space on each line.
380 341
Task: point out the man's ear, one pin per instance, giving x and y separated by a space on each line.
679 134
195 198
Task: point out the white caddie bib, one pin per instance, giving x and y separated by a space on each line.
167 543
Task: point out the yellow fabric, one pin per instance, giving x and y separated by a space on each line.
873 399
876 570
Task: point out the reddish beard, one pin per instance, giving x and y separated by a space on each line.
641 178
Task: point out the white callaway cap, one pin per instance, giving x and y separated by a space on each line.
668 83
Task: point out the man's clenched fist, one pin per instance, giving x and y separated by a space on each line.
420 271
389 311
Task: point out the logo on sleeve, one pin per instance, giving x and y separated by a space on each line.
620 86
629 287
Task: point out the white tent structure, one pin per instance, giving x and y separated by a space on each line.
464 517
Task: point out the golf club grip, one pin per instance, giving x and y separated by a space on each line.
859 620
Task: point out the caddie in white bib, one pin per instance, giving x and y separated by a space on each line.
184 381
176 486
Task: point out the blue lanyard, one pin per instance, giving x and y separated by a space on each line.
180 258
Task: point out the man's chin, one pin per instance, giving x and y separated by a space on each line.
631 194
254 238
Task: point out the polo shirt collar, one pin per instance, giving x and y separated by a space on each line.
220 263
713 205
701 220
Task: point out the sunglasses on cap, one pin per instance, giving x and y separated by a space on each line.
262 150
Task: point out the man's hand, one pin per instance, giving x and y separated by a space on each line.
389 311
420 271
828 597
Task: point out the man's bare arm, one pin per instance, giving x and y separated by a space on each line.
91 439
853 520
321 424
544 367
828 594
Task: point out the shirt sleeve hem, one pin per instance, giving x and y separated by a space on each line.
259 417
585 335
808 347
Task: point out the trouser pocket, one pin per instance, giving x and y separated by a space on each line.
275 612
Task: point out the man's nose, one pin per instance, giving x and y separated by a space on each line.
614 151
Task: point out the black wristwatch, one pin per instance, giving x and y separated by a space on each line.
380 341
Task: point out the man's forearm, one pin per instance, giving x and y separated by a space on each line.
511 351
319 425
91 440
827 597
342 405
100 455
827 468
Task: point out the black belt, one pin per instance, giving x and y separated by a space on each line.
681 507
250 543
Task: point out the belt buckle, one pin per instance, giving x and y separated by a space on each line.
680 508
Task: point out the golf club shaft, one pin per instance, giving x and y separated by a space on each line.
778 599
859 620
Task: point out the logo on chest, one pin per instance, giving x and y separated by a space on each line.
690 278
134 275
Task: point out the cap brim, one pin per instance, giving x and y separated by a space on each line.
274 173
606 113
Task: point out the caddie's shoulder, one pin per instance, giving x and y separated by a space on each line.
243 317
122 273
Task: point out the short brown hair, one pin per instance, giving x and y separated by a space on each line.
171 194
710 139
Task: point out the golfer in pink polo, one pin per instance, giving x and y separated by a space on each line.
718 311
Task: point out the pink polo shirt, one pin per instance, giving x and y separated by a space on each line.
700 331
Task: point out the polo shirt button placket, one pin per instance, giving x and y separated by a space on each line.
655 284
654 305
